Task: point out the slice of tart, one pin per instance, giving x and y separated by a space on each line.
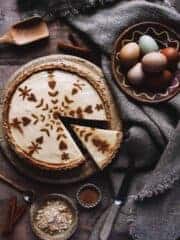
101 144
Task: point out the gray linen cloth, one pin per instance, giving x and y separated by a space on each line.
153 139
152 132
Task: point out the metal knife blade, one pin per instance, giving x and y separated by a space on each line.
118 202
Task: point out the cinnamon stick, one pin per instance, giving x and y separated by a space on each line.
14 214
11 211
13 204
77 49
19 213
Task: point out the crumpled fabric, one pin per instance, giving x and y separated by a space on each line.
153 132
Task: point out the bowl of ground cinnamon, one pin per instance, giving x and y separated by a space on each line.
89 195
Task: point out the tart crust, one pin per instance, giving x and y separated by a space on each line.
102 144
28 71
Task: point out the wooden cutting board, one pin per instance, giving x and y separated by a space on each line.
89 167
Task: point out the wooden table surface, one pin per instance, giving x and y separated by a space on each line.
11 58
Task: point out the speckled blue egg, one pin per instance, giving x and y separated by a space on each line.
148 44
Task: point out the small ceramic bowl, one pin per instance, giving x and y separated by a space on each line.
60 236
92 187
165 37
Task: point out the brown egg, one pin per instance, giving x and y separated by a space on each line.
129 54
171 54
154 62
159 81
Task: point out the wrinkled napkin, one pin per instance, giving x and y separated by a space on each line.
153 139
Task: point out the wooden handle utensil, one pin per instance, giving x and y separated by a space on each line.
117 204
25 32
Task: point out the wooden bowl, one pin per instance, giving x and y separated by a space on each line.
92 187
61 236
165 37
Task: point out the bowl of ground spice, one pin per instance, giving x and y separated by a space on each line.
89 196
54 217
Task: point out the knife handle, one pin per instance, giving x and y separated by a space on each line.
108 224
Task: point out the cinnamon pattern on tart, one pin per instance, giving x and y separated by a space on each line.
34 105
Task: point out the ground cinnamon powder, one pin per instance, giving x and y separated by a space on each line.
89 196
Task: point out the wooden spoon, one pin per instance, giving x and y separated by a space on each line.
25 32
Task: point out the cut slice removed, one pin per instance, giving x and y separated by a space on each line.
102 144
